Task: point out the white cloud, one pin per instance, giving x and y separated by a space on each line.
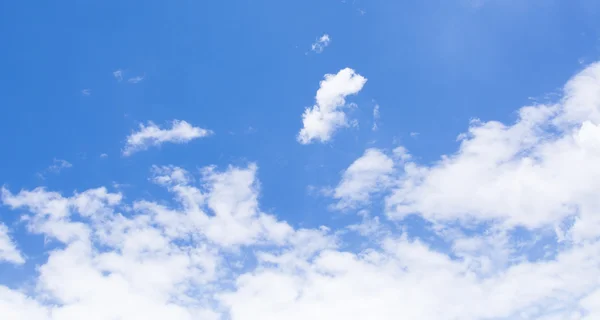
376 116
407 280
103 155
368 174
8 249
534 173
170 175
327 115
135 80
58 165
152 135
168 263
86 92
321 43
118 74
225 211
164 262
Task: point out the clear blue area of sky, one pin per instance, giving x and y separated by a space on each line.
244 70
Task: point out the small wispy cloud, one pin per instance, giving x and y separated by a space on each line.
103 155
86 92
118 74
58 165
152 135
135 80
414 134
321 43
376 116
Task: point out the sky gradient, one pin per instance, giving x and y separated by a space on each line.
300 160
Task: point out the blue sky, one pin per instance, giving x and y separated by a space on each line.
432 66
80 79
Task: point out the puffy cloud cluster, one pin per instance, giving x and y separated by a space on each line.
510 232
141 260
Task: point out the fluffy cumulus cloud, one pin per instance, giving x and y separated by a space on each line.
539 172
328 114
507 229
152 135
165 262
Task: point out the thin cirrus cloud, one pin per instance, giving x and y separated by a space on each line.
376 116
150 135
58 165
321 44
118 74
135 80
328 115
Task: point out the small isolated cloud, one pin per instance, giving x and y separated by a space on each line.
376 116
327 115
152 135
321 43
414 134
58 165
135 80
118 74
86 92
103 155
